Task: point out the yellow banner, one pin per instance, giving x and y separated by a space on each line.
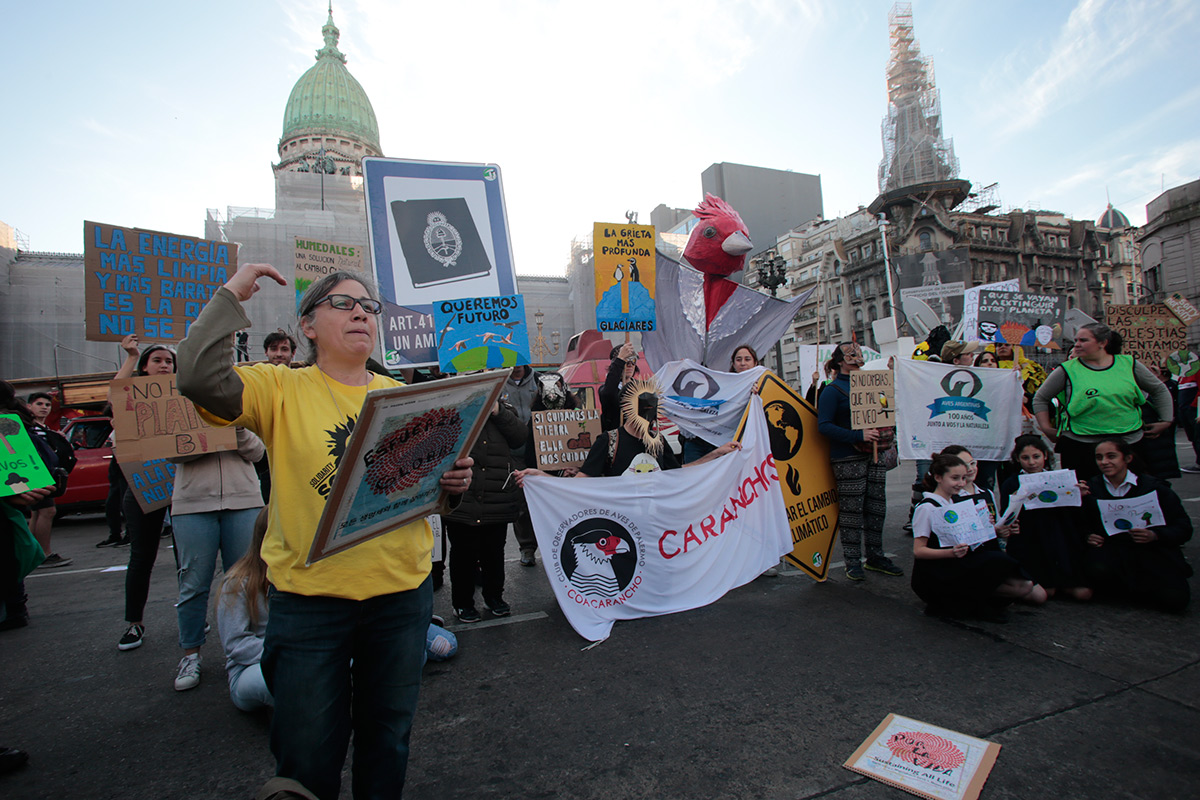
802 459
624 259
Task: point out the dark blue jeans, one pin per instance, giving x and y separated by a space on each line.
336 666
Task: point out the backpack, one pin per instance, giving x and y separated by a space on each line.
62 449
50 459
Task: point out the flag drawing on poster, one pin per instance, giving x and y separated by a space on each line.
925 760
624 260
1128 513
481 333
1051 489
705 402
942 404
965 522
1021 318
646 544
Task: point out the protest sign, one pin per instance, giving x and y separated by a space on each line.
562 437
1180 306
316 259
624 260
437 231
925 760
151 420
404 440
872 399
1183 363
938 405
705 402
1128 513
1021 318
938 278
481 333
151 482
801 456
20 465
651 543
149 283
1150 332
971 306
1050 489
965 522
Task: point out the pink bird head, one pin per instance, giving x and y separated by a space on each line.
718 245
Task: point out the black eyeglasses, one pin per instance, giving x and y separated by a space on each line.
344 302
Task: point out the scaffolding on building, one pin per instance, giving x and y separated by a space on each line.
913 148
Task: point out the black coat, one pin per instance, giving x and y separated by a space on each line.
488 500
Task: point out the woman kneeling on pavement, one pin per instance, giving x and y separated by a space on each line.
345 636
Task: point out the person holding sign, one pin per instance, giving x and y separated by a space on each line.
1100 395
955 578
144 530
1144 561
1050 545
345 635
861 482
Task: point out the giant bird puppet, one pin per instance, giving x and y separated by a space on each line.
704 316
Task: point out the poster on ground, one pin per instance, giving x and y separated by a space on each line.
316 259
148 282
151 482
562 437
21 467
801 457
437 230
623 256
404 440
925 760
1021 318
152 420
481 333
1151 333
938 405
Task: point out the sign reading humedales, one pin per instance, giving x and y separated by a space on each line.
152 420
872 399
624 261
315 260
562 437
149 283
1150 332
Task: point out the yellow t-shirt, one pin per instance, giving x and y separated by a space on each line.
305 419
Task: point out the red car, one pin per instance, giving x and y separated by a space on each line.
87 487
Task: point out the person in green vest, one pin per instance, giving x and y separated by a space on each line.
1100 394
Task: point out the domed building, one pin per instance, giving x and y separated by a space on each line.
1113 219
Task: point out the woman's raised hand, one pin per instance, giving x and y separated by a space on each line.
244 282
130 345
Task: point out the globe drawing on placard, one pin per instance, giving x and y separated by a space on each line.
1047 496
951 516
1123 525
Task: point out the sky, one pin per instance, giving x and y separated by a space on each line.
145 114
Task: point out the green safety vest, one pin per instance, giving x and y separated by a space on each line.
1104 402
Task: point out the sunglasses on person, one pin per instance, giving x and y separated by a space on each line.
344 302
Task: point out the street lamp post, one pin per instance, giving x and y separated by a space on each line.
772 273
539 349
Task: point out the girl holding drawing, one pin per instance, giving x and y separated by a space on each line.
956 577
1145 562
1050 546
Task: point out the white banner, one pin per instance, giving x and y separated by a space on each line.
656 543
938 405
705 402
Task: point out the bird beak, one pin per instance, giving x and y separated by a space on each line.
736 244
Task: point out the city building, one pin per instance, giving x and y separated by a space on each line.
770 201
1170 247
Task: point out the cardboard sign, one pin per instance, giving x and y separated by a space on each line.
153 420
872 399
563 437
404 440
481 333
624 260
152 483
1151 332
149 283
1032 320
21 468
801 456
925 760
316 259
1179 305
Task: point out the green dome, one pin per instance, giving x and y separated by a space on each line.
328 99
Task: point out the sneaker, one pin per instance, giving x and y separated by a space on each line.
124 541
14 621
12 759
884 565
498 608
132 638
189 673
437 619
1193 469
54 560
855 572
111 541
167 533
771 572
527 559
467 615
